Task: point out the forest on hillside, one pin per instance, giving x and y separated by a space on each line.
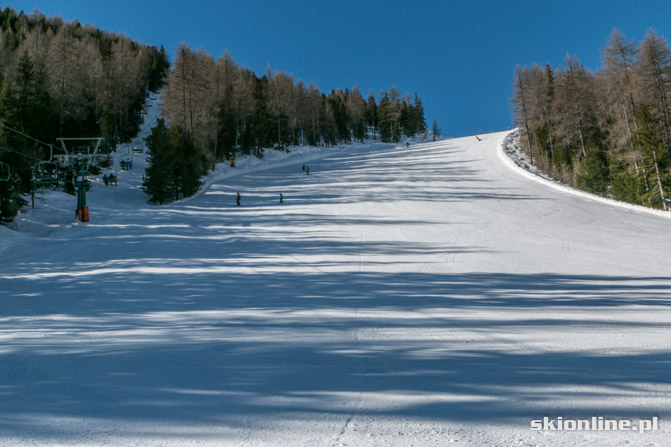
68 80
606 132
219 109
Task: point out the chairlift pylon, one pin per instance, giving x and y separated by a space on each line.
81 179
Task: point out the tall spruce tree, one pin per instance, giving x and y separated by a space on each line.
650 138
159 181
371 114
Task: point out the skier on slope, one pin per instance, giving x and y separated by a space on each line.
307 170
237 199
281 198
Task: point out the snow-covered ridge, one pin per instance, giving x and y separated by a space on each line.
511 153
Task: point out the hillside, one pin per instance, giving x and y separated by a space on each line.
428 295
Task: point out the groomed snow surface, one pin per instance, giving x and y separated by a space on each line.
421 296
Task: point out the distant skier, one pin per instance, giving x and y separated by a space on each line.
281 198
478 138
303 167
237 199
307 169
407 144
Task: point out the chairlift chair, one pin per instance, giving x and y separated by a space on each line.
111 178
45 173
126 163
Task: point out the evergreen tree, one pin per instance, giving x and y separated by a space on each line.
371 113
10 198
160 179
593 174
650 138
159 65
418 121
175 165
337 102
626 185
356 112
384 112
653 67
25 84
191 166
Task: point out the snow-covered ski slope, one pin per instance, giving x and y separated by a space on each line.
424 296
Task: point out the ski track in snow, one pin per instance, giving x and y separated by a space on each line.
423 296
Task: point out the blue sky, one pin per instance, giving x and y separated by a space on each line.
458 56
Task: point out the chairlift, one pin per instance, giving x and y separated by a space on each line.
72 151
126 163
45 173
111 178
5 172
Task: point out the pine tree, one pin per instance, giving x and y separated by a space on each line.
25 90
337 102
192 163
653 67
418 112
371 113
593 174
159 65
159 181
619 59
650 138
10 198
356 111
385 119
521 101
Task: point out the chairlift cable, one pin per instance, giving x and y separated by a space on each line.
23 134
20 153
